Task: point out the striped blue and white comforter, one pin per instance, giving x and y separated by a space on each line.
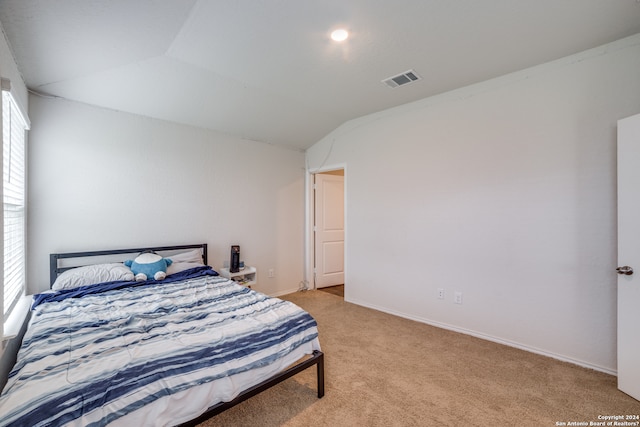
156 354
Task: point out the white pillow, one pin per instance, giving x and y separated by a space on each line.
184 261
91 274
191 256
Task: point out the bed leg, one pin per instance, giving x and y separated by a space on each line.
320 367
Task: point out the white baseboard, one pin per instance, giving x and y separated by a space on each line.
489 338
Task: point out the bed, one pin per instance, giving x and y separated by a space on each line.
170 352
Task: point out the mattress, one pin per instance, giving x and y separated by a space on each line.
149 353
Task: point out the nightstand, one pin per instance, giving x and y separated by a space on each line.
246 277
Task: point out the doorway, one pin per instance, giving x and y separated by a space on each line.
328 231
628 256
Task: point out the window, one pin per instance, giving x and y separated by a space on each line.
14 128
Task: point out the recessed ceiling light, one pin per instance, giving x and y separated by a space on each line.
339 35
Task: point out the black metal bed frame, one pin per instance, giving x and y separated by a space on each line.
317 358
54 259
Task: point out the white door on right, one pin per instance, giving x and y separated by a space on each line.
329 230
629 256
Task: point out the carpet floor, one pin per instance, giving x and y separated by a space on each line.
383 370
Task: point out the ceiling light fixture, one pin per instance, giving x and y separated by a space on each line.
339 35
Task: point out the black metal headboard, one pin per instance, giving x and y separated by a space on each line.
54 259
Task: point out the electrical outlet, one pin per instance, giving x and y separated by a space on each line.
440 293
272 273
457 297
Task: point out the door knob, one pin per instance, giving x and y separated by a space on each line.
625 270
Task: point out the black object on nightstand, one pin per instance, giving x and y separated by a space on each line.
234 262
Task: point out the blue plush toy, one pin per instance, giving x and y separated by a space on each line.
149 265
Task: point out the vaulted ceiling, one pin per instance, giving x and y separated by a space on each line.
266 70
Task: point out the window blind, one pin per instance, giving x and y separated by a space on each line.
14 176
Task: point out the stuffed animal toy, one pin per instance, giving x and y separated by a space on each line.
149 265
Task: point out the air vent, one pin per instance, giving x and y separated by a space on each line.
401 79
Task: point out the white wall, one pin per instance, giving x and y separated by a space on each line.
105 179
504 191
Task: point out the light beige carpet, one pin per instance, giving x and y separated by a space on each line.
383 370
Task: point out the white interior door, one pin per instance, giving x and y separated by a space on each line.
629 256
329 230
